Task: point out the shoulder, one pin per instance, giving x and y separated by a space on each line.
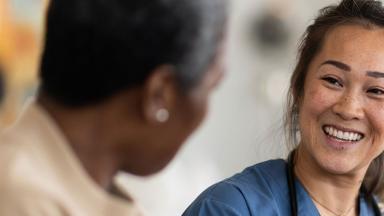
25 187
220 199
22 192
263 178
245 193
268 170
18 160
28 201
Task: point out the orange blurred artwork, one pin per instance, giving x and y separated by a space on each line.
21 30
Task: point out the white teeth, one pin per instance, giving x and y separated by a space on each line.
345 135
334 133
348 136
339 134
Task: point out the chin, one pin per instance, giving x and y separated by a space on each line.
149 166
335 157
336 165
144 171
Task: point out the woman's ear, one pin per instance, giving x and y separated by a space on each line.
159 95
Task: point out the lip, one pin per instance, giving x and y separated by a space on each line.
341 144
338 144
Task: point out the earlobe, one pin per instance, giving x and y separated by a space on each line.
162 115
159 94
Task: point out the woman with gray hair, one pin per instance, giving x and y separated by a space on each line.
123 85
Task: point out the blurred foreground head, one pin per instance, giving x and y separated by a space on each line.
146 69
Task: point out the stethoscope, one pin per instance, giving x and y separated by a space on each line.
292 189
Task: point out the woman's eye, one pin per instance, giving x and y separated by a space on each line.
376 91
332 81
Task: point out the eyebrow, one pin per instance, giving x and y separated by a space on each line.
375 74
345 67
337 64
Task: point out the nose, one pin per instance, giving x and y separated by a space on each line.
349 107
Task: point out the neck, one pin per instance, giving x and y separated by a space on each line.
82 129
338 193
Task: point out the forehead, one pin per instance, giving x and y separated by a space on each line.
355 45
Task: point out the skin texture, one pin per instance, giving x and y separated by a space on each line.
344 88
123 134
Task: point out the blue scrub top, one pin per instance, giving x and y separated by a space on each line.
261 189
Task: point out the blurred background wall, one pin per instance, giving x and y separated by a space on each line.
244 124
21 28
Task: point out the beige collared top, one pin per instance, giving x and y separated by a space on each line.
40 175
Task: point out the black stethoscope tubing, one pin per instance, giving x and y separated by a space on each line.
292 189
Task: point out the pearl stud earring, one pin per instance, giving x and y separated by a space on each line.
162 115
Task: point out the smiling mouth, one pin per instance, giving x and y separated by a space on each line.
342 135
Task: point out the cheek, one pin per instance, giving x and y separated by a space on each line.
199 109
316 100
376 119
192 112
200 101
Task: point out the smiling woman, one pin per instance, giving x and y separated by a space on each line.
343 90
335 125
340 115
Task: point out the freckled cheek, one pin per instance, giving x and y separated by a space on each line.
317 100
